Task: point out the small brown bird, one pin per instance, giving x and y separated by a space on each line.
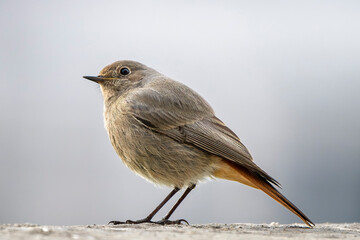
168 134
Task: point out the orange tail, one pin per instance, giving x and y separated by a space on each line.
232 171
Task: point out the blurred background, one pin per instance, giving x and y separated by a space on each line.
284 75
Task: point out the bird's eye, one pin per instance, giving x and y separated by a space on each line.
124 71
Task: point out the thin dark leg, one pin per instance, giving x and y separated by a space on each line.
152 214
166 220
171 194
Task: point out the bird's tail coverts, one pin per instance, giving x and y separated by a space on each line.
235 172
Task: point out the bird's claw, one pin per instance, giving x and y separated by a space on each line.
116 222
171 222
145 220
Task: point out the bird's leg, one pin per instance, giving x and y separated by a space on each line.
165 220
151 215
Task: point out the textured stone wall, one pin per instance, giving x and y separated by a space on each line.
193 232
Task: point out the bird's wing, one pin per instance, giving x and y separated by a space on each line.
180 113
166 104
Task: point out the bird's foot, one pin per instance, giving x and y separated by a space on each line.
171 222
146 220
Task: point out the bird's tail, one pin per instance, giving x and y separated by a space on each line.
232 171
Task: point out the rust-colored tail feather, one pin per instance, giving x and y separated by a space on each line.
258 181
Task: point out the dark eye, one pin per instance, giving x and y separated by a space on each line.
124 71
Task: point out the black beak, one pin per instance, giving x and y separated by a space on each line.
95 79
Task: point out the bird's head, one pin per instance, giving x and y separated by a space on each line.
121 76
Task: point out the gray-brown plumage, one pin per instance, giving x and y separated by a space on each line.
168 134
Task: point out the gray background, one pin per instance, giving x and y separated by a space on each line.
284 75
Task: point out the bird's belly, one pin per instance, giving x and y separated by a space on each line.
157 157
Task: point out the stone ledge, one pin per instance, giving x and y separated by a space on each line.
193 232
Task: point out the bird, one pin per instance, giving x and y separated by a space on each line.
168 134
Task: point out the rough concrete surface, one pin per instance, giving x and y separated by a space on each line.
194 232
